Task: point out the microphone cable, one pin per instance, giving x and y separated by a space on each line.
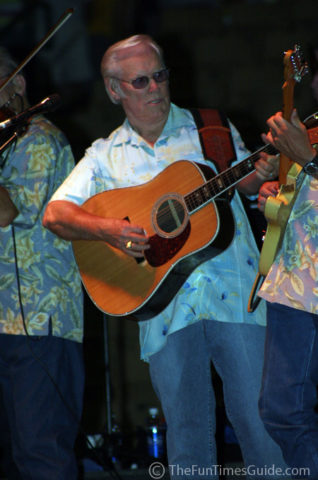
110 468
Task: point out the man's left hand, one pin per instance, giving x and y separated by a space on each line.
267 167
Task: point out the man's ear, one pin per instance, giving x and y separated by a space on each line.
19 85
110 89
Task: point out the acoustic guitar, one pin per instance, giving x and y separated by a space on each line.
188 220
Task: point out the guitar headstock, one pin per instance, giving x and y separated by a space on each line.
295 68
295 65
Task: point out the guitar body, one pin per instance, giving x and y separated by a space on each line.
121 285
277 212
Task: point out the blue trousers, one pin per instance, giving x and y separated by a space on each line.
289 390
181 376
37 430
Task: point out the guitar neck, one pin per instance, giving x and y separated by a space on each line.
230 177
288 94
294 70
225 180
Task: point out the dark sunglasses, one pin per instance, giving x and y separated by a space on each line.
143 81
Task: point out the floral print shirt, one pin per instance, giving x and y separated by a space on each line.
45 279
219 288
293 278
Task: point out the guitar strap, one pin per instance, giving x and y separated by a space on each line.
215 137
217 146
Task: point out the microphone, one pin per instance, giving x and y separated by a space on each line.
47 104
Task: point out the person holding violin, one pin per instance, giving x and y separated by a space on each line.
41 307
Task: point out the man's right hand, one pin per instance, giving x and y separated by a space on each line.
71 222
131 239
268 189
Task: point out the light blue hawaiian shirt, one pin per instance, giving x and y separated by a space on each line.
45 277
219 288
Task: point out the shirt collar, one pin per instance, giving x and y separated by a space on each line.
177 118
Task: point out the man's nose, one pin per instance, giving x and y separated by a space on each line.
153 85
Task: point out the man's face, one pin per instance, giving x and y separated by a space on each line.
149 105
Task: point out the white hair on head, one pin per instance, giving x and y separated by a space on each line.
110 64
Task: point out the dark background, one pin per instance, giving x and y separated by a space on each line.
221 53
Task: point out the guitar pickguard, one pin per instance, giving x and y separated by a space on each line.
164 249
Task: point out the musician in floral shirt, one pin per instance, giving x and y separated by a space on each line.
289 392
41 311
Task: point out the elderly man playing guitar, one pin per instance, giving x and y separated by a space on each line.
141 199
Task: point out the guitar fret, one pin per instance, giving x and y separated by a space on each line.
206 195
219 182
198 197
231 177
236 173
202 196
190 202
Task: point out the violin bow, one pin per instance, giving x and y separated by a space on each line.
66 15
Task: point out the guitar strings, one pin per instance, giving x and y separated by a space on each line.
225 180
216 186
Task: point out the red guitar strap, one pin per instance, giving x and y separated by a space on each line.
215 137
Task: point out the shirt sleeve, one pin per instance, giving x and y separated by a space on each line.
32 169
86 179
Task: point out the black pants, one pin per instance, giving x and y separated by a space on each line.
37 429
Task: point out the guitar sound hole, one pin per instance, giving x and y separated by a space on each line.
169 216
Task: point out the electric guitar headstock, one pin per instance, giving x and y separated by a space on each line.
295 68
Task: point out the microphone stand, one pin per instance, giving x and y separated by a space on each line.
110 434
107 377
19 130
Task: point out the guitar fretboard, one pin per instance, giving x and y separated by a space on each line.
225 180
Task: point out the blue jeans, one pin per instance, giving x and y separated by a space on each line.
289 396
181 376
37 430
